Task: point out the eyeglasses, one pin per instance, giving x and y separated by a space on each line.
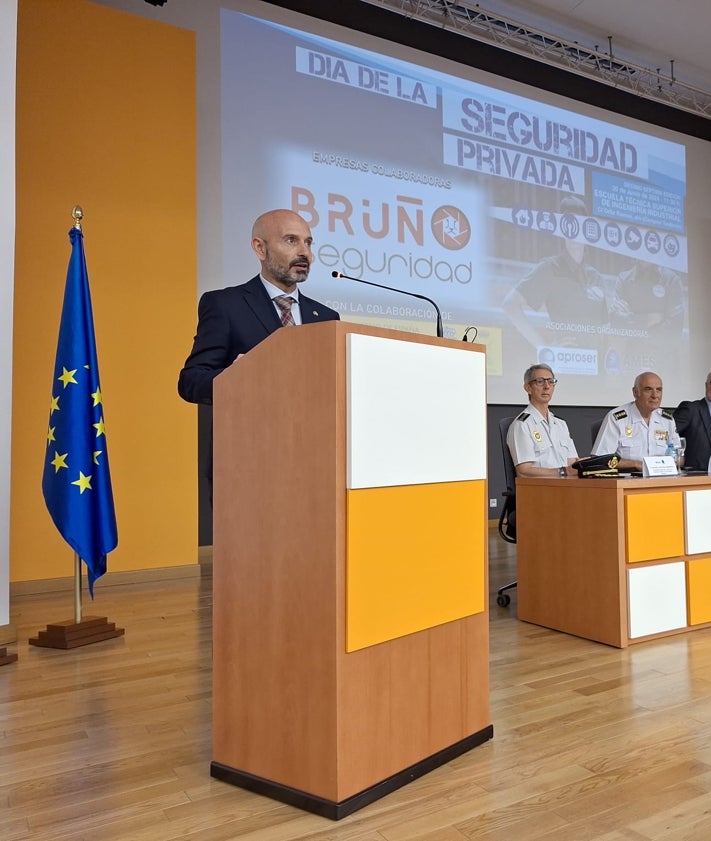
543 381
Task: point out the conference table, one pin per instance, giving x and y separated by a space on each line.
615 560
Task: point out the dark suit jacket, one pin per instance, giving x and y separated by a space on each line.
694 423
230 322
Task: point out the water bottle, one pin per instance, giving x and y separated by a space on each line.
671 451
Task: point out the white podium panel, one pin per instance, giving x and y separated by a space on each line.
416 413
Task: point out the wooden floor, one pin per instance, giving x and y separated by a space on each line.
112 742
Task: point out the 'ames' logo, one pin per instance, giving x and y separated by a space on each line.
450 227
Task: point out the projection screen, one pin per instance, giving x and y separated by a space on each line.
561 232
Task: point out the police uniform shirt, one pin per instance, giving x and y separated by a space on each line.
652 299
624 432
546 443
570 292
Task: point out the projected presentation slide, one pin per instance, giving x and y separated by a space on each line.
560 237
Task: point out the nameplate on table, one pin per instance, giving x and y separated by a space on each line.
658 466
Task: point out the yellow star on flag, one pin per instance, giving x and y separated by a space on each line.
59 461
67 377
97 453
54 405
99 427
97 396
50 434
83 482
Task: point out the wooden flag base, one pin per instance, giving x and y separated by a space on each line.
6 658
69 634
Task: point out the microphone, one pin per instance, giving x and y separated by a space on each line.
440 332
466 333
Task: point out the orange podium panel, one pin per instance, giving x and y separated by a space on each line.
400 540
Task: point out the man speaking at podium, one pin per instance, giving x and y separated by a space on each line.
233 320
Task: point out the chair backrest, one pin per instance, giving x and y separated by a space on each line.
507 518
594 429
509 466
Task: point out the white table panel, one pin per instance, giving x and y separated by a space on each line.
697 513
657 598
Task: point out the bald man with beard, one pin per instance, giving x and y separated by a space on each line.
233 320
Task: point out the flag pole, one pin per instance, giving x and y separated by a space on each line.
77 215
77 588
86 522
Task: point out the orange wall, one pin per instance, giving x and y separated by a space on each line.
106 118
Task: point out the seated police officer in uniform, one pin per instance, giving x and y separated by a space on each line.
539 442
640 428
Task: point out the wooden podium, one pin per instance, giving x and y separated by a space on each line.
350 636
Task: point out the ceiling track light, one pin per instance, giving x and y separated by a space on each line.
471 20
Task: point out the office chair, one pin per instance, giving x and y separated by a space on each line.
594 429
507 518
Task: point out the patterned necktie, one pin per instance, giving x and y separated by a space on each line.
285 302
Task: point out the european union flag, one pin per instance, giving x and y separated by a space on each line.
76 482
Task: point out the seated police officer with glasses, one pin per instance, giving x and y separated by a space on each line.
539 442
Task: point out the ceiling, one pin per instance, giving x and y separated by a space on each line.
646 32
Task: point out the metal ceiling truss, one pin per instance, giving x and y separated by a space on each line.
470 19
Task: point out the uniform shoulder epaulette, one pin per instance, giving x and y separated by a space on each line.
666 413
523 416
619 414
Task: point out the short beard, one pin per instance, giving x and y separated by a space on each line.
286 276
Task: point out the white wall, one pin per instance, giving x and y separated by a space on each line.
8 52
